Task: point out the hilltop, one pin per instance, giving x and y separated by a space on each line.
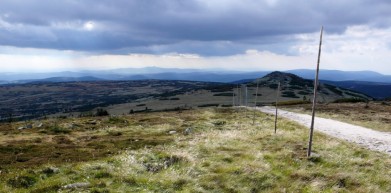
294 87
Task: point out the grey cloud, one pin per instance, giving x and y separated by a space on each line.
174 25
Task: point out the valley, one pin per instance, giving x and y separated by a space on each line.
75 99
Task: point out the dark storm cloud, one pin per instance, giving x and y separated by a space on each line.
198 26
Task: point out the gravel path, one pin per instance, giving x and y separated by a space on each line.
374 140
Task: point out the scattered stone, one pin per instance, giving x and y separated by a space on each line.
29 126
70 126
77 185
315 158
39 125
21 128
92 122
188 131
379 143
171 132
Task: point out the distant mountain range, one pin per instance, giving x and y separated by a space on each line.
374 89
372 83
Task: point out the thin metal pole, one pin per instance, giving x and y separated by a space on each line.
246 95
237 98
233 97
275 119
315 96
245 101
240 96
255 101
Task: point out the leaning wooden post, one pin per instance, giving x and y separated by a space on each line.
275 119
316 82
255 101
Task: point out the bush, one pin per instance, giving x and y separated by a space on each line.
350 100
57 130
302 92
209 105
224 94
22 182
101 112
289 94
293 102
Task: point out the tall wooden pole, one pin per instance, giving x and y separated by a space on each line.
275 119
316 82
255 101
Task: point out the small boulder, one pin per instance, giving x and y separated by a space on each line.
77 185
171 132
21 128
29 126
92 122
188 131
39 125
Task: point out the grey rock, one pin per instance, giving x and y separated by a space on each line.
92 122
379 143
39 125
71 125
188 131
21 128
29 126
171 132
77 185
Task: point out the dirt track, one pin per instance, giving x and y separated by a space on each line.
374 140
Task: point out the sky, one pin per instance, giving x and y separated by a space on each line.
246 35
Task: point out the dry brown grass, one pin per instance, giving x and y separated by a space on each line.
224 152
375 115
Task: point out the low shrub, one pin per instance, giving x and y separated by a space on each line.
101 112
209 105
58 130
22 181
292 102
224 94
350 100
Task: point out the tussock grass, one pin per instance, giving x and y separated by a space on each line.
224 153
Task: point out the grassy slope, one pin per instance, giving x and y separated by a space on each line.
224 153
376 115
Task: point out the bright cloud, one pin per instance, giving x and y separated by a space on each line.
46 35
